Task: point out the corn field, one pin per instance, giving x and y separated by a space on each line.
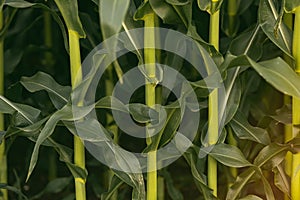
150 99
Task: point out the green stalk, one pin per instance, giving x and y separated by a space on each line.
76 77
149 58
213 115
288 128
3 161
232 11
232 141
295 178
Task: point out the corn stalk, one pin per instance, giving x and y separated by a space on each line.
295 176
149 57
76 76
213 115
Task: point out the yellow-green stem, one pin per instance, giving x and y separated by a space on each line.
232 11
295 178
213 115
149 57
3 162
288 128
76 77
232 141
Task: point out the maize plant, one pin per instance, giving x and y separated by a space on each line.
150 99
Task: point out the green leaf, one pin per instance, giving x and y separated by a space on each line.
228 155
281 179
272 154
69 11
192 158
233 94
251 197
209 5
268 17
26 112
58 94
67 113
244 130
114 185
112 14
267 187
291 5
235 190
279 74
13 189
18 3
53 187
173 192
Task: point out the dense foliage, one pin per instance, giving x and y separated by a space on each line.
255 50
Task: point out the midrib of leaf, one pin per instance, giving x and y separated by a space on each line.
246 129
283 77
17 109
228 92
47 88
271 156
274 12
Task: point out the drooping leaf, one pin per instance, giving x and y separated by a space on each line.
282 180
279 74
58 94
27 113
228 155
242 179
69 11
67 113
268 17
200 179
242 128
267 187
273 153
13 189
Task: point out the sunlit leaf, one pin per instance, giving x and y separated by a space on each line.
69 11
111 23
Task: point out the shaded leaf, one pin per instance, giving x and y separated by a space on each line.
58 94
28 113
173 192
13 189
244 130
251 197
114 185
291 5
228 155
268 17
